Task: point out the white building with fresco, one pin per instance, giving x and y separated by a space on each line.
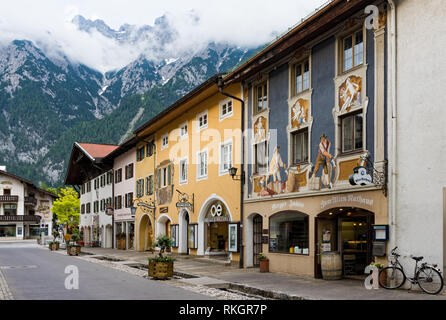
25 210
417 132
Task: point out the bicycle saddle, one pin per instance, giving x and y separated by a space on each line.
417 258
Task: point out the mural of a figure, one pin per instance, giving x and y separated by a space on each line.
326 160
299 113
259 129
274 170
349 93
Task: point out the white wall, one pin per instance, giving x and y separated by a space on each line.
421 130
125 186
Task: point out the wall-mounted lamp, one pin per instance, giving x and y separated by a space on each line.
233 174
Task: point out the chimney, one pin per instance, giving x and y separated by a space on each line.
3 168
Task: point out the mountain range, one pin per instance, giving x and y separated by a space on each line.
49 101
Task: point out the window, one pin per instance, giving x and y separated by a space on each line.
202 170
96 206
192 236
82 208
82 189
288 230
88 208
128 199
300 146
353 50
352 132
150 149
225 157
183 131
118 202
302 76
183 171
140 154
88 186
7 192
10 209
103 180
129 171
261 158
174 228
164 141
202 120
140 188
149 185
226 109
261 96
118 175
110 177
233 237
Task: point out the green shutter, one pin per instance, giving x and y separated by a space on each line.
169 177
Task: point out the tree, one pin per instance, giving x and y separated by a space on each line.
66 207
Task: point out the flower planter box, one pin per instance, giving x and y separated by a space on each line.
264 265
73 250
160 270
81 243
53 246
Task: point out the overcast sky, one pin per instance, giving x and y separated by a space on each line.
245 23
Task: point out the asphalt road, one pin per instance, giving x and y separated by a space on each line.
34 273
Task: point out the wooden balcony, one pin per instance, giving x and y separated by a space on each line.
31 201
28 218
9 199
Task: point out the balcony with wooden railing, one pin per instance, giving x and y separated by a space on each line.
9 199
26 218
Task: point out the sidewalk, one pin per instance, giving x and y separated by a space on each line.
281 286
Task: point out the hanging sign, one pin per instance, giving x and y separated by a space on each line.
109 210
360 177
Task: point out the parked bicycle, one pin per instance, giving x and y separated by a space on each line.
428 277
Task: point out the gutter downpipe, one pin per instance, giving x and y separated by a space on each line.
220 85
392 51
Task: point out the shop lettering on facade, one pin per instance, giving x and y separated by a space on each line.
349 198
285 205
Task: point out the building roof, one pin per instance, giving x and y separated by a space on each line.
87 161
125 146
28 182
96 151
322 20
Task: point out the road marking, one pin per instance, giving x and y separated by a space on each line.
18 267
5 293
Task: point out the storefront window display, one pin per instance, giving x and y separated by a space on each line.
174 235
289 233
193 236
7 230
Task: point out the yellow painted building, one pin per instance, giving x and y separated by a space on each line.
185 174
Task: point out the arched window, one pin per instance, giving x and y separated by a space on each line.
289 230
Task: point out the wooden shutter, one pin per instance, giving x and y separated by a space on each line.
169 177
159 178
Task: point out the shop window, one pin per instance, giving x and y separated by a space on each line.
8 230
261 96
288 233
352 51
174 230
352 133
192 237
261 157
10 209
233 231
300 146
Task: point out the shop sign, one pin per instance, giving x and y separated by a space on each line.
164 209
360 177
109 210
343 199
217 213
184 202
217 219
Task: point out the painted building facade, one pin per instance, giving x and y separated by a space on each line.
25 210
182 170
316 147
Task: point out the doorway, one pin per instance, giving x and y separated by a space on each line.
349 232
257 238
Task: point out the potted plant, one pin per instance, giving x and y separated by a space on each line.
54 245
161 267
74 249
264 263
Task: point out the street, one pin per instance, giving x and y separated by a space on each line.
33 273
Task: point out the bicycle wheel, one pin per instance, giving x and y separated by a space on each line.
391 277
430 280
